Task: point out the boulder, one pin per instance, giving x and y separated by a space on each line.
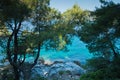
60 70
57 70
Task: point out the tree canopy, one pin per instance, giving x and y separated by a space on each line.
50 29
102 33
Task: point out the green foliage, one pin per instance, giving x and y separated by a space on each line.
9 8
27 43
31 3
64 72
6 74
97 75
51 29
76 16
46 26
114 68
12 15
40 78
61 72
101 33
97 63
102 38
66 25
99 70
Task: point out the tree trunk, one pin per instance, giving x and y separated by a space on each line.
114 52
15 47
8 49
16 73
14 60
38 54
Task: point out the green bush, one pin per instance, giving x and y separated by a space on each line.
100 69
97 75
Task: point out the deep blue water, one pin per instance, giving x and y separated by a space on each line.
77 51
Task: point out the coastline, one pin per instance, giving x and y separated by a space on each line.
59 69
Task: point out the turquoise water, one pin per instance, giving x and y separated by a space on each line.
77 51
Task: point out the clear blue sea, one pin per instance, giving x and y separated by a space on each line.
77 51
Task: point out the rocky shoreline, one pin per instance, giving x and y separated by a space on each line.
57 70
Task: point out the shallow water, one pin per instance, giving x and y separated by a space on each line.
77 51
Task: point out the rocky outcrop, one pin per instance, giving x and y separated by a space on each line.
58 70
